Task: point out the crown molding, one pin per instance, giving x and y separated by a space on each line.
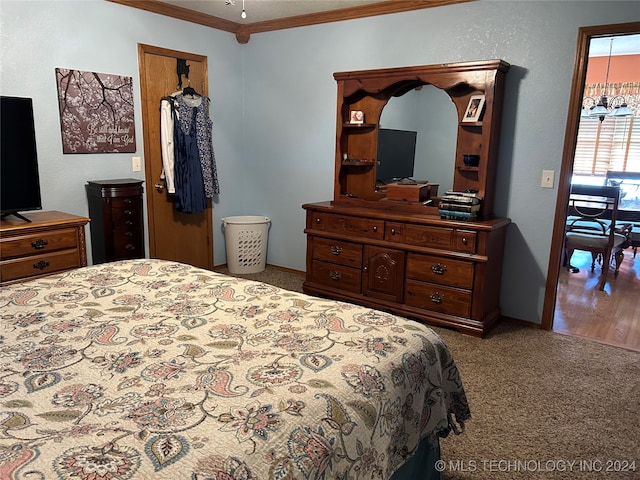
243 31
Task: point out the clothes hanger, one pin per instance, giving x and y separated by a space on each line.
189 90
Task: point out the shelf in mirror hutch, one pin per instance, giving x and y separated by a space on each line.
401 256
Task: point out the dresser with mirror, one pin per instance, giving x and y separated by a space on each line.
368 247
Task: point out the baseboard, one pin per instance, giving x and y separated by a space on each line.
224 266
518 321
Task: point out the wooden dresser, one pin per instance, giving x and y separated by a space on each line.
440 271
402 254
52 242
117 229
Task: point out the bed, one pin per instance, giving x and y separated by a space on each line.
150 369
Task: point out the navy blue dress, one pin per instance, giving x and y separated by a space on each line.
190 194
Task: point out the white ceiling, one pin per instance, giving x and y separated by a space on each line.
263 10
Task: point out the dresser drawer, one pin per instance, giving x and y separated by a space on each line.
464 241
337 251
424 236
124 249
444 271
38 243
126 213
438 298
37 265
348 225
125 202
336 276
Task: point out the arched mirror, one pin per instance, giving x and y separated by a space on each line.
431 114
433 102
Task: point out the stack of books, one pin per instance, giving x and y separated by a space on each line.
459 205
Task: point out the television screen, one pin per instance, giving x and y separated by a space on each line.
19 180
396 154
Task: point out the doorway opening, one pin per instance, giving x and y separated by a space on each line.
562 297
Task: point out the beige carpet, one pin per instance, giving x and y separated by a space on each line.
539 401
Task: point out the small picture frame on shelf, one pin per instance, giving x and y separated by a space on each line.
474 109
356 116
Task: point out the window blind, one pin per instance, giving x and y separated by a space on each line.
613 144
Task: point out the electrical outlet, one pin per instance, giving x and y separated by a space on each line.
136 164
547 178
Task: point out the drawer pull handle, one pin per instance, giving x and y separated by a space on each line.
335 250
39 244
375 229
128 212
436 297
317 219
393 231
41 265
438 269
335 275
128 223
127 201
128 234
465 241
130 246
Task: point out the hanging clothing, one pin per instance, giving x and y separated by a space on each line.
204 135
189 184
166 143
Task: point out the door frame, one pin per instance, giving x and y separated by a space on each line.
585 34
144 49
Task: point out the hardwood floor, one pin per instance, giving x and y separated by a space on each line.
611 316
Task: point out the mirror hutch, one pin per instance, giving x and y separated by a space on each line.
400 255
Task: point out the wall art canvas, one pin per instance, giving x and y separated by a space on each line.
96 112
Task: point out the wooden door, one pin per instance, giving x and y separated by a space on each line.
173 235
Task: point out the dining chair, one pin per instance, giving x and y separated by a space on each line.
591 226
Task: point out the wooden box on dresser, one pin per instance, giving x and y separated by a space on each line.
52 242
117 229
401 256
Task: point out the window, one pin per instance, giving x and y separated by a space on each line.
613 144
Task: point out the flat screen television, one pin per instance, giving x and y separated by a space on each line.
396 154
19 179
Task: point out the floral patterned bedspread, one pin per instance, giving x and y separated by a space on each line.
150 369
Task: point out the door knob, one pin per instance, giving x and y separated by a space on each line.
159 187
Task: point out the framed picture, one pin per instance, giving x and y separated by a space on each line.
357 116
96 112
474 109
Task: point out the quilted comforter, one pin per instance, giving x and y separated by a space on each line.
150 369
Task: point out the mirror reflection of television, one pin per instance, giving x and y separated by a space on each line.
396 154
19 179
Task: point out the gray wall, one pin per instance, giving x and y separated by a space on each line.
274 100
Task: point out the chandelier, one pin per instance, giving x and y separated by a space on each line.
616 106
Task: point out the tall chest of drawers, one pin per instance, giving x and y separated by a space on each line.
52 242
442 272
117 229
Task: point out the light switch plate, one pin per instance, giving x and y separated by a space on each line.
547 178
136 164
